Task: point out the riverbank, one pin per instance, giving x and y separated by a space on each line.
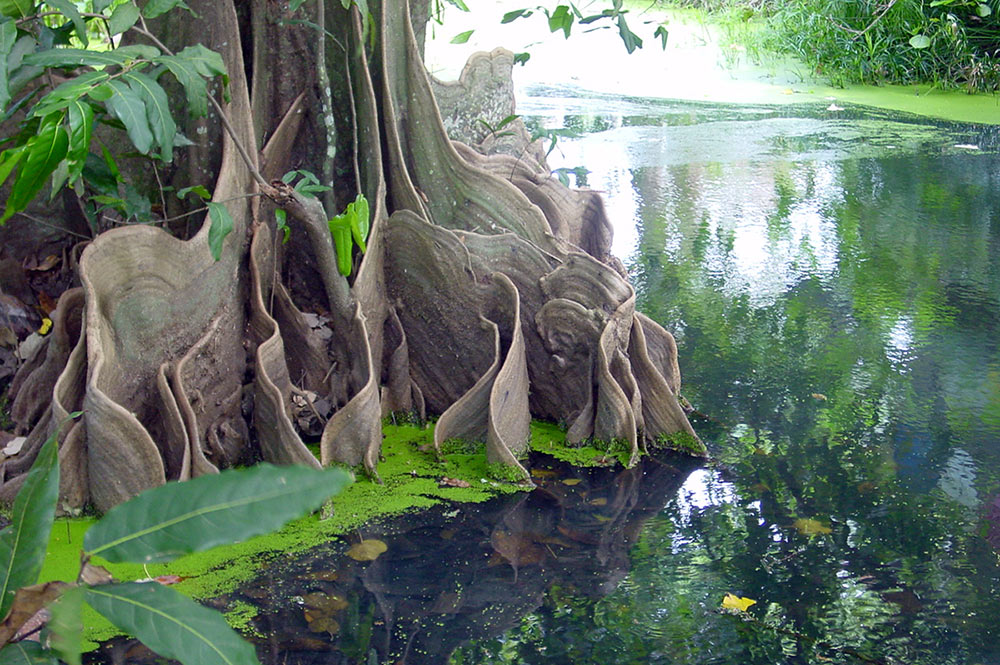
698 64
413 478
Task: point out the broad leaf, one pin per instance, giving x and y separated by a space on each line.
222 226
101 5
68 92
9 158
70 11
27 653
515 14
23 543
561 19
154 8
631 40
195 88
171 624
462 37
157 111
128 107
80 116
44 152
200 190
663 34
177 518
920 41
123 18
75 57
204 60
340 229
8 35
17 8
66 625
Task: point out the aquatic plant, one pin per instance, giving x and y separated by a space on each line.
156 526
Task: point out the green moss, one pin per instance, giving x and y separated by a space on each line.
551 440
240 616
504 472
410 472
682 442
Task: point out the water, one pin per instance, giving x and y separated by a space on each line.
833 280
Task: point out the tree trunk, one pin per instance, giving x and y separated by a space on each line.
487 293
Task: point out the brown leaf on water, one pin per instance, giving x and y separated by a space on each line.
367 550
325 602
819 396
572 481
518 549
600 501
322 623
27 603
93 575
48 263
453 482
808 526
544 473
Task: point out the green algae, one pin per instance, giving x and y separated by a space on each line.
412 477
550 439
682 442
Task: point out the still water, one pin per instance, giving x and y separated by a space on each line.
833 280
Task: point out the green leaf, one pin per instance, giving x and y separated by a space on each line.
222 226
662 33
462 37
631 40
340 229
281 223
157 111
9 158
80 116
295 4
17 8
74 57
521 58
155 8
561 19
8 36
129 107
171 624
920 41
73 14
101 5
514 15
983 9
69 91
195 88
204 60
66 625
200 190
27 652
174 519
23 543
44 152
123 18
357 212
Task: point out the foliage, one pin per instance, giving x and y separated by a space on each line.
158 525
946 42
348 229
109 84
562 18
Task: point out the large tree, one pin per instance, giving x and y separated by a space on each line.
486 292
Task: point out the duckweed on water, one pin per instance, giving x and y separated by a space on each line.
410 471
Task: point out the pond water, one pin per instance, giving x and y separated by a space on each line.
833 280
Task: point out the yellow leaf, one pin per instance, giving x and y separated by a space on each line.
572 481
45 327
732 602
367 550
810 527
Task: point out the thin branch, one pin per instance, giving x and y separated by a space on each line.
36 220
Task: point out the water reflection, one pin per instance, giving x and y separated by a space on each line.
460 573
833 283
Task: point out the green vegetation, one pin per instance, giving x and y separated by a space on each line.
949 43
159 525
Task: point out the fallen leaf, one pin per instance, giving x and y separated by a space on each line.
167 580
367 550
820 396
808 526
600 501
543 473
733 602
15 445
325 602
572 481
48 263
45 327
452 482
27 603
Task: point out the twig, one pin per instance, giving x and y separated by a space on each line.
52 226
878 17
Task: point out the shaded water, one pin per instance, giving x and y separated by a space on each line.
833 281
